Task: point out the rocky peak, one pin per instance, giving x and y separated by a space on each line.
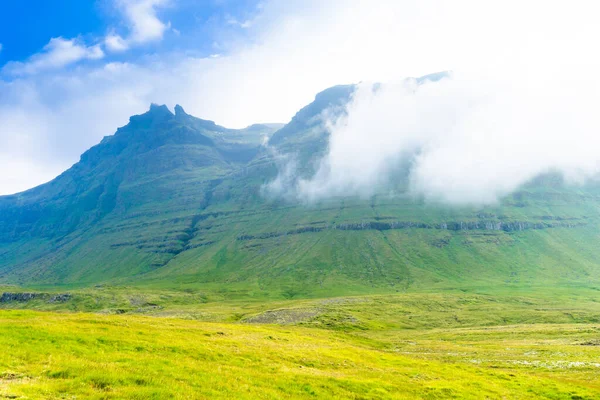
156 114
179 111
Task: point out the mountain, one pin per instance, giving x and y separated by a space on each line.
171 200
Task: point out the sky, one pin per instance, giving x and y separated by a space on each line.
520 101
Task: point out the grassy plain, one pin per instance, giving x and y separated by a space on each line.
539 344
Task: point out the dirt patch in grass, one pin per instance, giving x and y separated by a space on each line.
284 316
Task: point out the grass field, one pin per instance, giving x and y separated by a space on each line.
541 344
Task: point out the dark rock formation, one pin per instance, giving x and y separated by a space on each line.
24 297
19 297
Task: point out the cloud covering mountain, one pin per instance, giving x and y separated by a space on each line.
467 140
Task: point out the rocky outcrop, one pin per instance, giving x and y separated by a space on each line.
60 298
278 234
482 225
19 297
380 226
24 297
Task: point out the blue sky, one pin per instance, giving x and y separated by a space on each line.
26 27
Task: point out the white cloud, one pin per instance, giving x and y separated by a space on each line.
46 123
466 140
116 43
508 56
21 174
245 24
143 23
58 53
521 103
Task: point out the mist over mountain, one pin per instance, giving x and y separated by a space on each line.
449 138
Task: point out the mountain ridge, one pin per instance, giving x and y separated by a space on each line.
171 200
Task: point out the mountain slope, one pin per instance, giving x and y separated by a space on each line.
159 163
175 201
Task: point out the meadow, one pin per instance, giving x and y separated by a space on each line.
142 345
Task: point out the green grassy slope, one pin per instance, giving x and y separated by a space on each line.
172 201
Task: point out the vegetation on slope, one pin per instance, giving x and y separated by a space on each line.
175 202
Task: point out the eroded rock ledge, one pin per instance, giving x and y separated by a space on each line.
504 226
23 297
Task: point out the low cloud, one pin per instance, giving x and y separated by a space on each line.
463 139
282 187
58 53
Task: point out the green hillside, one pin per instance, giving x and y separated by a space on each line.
167 269
175 202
